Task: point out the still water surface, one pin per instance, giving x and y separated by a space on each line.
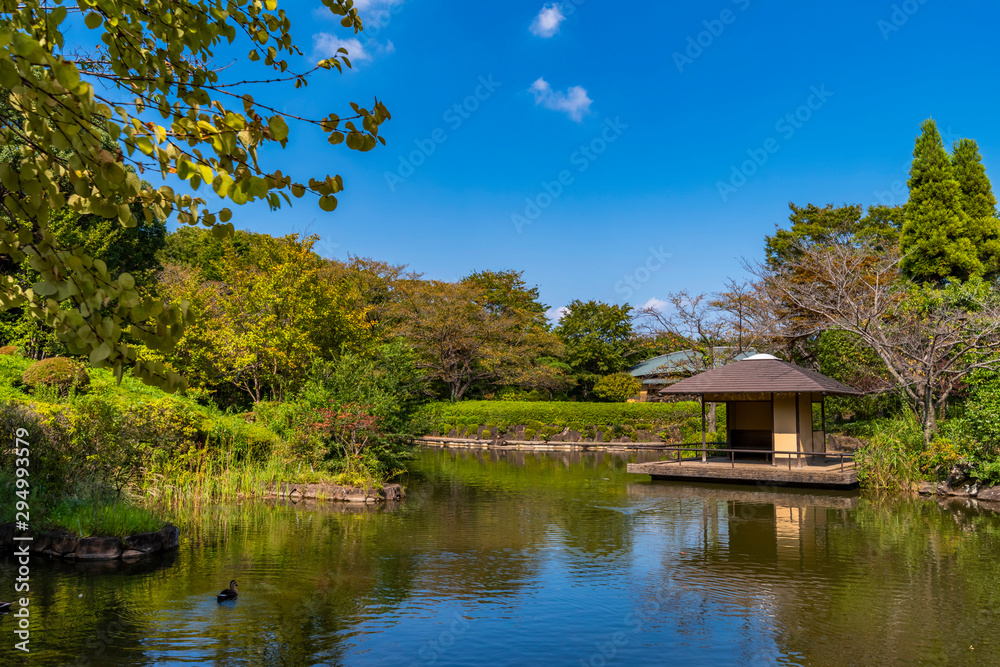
556 559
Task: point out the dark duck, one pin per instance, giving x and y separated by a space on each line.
230 593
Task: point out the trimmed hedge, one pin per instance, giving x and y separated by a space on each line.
667 422
537 415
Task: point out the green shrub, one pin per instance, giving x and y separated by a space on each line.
59 373
549 431
576 426
643 426
529 434
939 458
618 387
472 431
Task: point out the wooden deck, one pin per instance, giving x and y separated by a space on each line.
822 473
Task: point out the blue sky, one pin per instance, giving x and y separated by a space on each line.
672 100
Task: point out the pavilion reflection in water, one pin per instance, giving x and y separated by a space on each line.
761 525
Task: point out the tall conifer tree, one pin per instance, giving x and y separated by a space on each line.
979 203
934 238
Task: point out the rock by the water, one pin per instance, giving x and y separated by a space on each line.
144 543
64 542
350 494
991 494
171 536
99 548
393 492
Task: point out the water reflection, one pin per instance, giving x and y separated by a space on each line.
511 557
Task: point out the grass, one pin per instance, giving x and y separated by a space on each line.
107 520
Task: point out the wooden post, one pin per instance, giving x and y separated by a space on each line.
704 454
798 432
822 411
774 457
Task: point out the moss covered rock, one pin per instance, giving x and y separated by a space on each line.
60 373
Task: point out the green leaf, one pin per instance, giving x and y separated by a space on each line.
93 20
328 203
100 353
278 128
44 288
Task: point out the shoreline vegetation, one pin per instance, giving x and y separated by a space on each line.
120 460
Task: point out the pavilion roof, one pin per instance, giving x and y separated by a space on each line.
760 374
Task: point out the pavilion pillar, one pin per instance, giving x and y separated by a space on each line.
704 454
822 412
798 430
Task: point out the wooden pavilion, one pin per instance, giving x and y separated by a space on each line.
769 418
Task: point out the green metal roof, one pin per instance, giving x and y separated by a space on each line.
675 363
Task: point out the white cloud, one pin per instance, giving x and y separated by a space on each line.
656 304
556 314
574 101
362 5
547 23
325 45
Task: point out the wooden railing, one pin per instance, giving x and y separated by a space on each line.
707 451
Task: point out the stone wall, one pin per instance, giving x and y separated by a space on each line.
66 545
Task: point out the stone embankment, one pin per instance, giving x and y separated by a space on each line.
68 546
351 494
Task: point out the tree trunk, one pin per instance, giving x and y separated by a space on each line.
711 418
929 416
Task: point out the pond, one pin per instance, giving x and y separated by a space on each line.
552 558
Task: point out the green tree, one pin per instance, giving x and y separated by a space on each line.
851 225
163 57
507 293
273 315
979 204
461 340
598 338
934 241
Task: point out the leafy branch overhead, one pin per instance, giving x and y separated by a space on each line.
149 87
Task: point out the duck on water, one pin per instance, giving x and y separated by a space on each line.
228 594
